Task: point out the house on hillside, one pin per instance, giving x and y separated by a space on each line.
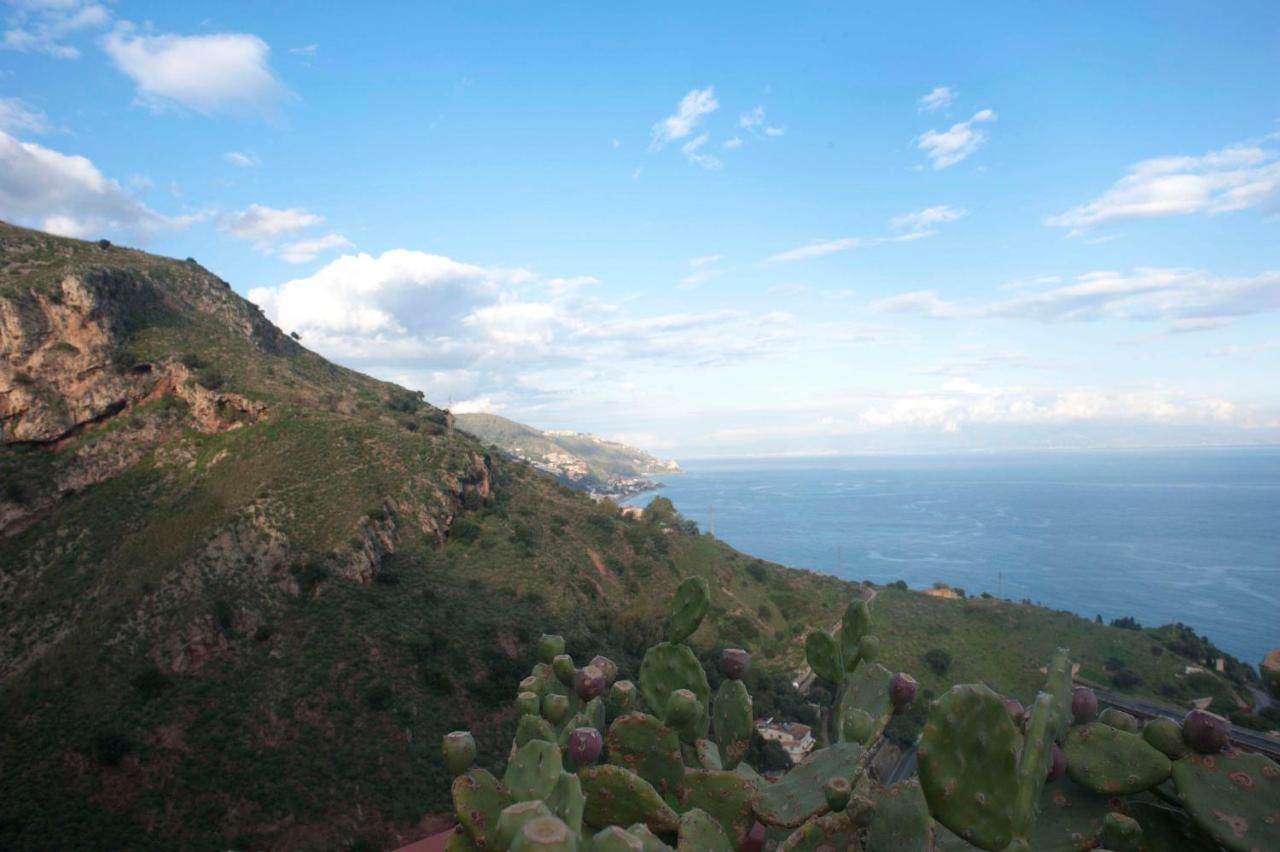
796 739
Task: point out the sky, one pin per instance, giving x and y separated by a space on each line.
715 229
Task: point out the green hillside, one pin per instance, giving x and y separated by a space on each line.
244 591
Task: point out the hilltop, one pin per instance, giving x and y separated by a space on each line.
244 591
578 459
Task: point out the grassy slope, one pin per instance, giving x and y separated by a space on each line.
316 722
604 459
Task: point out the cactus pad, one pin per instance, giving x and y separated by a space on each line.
667 667
1234 796
822 653
1059 686
822 834
708 755
647 747
732 721
855 624
459 841
533 771
1109 760
968 756
546 834
534 728
1121 833
616 796
1070 816
1034 763
687 610
867 689
799 796
513 818
699 832
726 796
478 801
1119 720
567 801
615 839
1166 736
650 841
901 822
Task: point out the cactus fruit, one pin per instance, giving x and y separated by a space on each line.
550 647
699 832
1058 765
650 841
564 670
687 610
532 684
1084 705
901 820
968 755
1121 833
837 791
616 796
902 691
856 726
682 708
822 834
667 667
585 745
545 833
649 748
532 727
1205 732
567 801
588 683
868 650
1119 720
555 707
734 663
733 721
1166 735
799 795
1269 668
622 697
513 818
1111 761
726 796
823 655
528 704
478 802
1234 796
533 771
459 749
607 667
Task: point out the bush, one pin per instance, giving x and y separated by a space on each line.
1125 679
264 632
899 584
464 531
1126 622
111 748
224 616
758 571
938 660
150 682
378 698
15 492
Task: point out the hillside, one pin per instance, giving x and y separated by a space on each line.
578 459
244 591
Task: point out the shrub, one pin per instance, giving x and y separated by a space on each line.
378 697
104 244
938 660
1125 679
522 534
758 571
15 492
1126 622
224 616
264 632
111 748
899 584
464 531
150 682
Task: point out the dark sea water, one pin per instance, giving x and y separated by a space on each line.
1169 535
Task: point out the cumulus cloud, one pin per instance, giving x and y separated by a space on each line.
1186 296
688 115
303 251
16 116
948 147
219 72
258 221
1233 178
68 195
940 98
692 152
44 26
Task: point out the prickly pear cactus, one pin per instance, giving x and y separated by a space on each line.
1121 833
822 834
1070 816
668 667
512 821
901 821
968 755
616 839
855 624
534 728
545 834
648 840
726 796
1109 760
478 801
687 610
699 832
706 755
567 801
823 655
732 721
866 690
616 796
799 795
1234 796
1165 735
648 747
1058 685
1269 668
1119 720
533 771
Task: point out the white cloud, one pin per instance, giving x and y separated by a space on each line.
1181 296
691 151
948 147
68 195
479 405
734 142
220 72
752 118
940 98
42 26
307 50
702 270
241 159
921 220
15 116
258 221
1233 178
817 249
685 119
775 131
302 251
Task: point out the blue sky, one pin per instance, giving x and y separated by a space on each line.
731 229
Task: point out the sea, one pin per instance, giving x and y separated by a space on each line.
1189 535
